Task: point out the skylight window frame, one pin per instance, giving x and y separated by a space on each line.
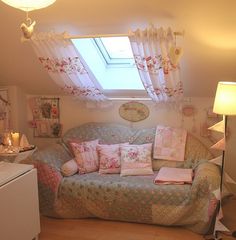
108 60
112 93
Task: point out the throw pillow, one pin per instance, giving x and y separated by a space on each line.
86 156
69 168
136 159
69 143
109 158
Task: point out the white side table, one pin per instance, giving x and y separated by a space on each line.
19 205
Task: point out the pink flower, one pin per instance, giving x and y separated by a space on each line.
132 155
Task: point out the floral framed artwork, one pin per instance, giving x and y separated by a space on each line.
46 117
134 111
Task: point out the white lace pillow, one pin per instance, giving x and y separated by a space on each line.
136 159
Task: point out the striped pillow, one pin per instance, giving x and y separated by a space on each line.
86 156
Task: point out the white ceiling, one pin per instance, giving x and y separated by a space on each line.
209 42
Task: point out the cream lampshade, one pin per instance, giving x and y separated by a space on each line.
225 99
28 5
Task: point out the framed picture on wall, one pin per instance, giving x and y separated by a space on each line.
46 117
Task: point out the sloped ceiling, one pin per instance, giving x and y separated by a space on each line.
209 42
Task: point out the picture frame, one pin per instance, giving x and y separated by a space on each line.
133 111
46 117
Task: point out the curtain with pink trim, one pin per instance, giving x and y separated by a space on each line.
157 59
66 66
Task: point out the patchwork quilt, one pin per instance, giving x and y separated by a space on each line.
169 143
130 198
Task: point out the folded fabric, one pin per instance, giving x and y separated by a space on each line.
220 145
218 127
169 143
168 175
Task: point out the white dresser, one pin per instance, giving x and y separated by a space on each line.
19 207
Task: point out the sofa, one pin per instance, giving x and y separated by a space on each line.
130 198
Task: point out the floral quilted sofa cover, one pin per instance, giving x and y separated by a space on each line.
130 198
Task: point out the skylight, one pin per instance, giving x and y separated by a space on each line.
117 47
111 61
115 50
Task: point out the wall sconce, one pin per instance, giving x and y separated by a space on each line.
27 6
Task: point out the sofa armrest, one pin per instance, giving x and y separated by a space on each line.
48 163
54 156
206 179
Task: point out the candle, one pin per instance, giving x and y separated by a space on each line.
7 138
9 142
15 139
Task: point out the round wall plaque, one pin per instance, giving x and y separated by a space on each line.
134 111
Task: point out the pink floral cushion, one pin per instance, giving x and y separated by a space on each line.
73 140
136 159
109 158
86 156
69 168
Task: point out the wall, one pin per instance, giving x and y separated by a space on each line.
230 154
18 109
74 113
158 115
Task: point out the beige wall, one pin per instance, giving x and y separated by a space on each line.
18 109
230 161
74 113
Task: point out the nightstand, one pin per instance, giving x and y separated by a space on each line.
19 206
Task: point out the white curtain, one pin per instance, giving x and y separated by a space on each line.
66 66
156 58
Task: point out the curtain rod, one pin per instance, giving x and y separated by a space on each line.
111 35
